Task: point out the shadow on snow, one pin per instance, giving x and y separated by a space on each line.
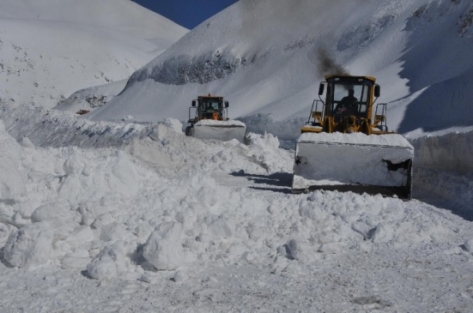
277 182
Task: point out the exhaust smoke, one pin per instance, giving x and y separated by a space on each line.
327 65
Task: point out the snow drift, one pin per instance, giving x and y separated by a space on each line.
106 212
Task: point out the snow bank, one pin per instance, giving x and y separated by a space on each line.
451 152
174 202
443 170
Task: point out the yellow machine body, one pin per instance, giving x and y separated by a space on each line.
208 119
346 145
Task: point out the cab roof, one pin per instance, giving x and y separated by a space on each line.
370 78
209 96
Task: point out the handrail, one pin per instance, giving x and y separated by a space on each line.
190 108
383 122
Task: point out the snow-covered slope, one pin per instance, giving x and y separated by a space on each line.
267 57
50 49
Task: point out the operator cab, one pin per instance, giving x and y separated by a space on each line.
208 107
349 95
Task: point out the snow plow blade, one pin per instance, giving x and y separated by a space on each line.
375 164
219 130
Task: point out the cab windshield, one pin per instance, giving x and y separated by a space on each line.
339 93
211 105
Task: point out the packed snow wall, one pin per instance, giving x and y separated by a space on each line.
443 169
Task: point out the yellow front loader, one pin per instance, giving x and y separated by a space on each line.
208 119
346 145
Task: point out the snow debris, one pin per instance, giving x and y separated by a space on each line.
173 124
266 141
469 245
163 248
108 263
164 201
180 276
29 246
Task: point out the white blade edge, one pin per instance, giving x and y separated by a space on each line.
220 132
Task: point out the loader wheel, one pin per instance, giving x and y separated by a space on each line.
189 131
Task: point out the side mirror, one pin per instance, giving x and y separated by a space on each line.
193 103
227 104
321 89
377 91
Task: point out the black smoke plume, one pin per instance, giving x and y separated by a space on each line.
327 65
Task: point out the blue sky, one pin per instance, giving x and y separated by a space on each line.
188 13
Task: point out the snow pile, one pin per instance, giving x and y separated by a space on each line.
267 141
106 212
174 124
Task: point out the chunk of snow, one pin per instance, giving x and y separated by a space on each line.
29 246
266 141
108 263
469 245
163 249
173 124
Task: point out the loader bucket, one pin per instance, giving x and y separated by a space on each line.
219 130
354 162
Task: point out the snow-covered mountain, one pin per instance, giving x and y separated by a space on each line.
267 57
50 48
